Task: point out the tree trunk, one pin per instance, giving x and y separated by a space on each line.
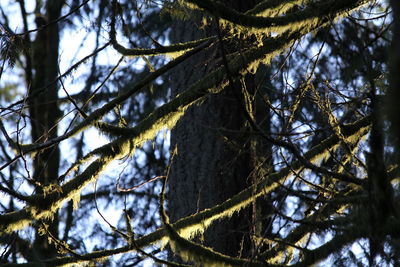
44 113
215 158
393 95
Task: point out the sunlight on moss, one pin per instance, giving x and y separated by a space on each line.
174 55
15 225
264 8
76 198
198 223
166 122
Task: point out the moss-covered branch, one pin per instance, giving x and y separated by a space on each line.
194 224
164 117
173 49
99 113
198 222
314 223
311 16
44 206
313 257
194 252
278 44
270 8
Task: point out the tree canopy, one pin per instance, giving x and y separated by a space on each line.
87 106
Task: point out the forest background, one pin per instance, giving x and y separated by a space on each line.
199 132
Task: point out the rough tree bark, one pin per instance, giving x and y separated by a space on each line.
44 112
215 159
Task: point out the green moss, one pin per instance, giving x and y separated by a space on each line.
172 51
15 223
197 223
307 19
272 8
191 251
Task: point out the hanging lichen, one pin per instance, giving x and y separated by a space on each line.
198 223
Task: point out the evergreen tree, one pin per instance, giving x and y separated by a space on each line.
279 154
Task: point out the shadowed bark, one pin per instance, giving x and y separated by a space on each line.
44 113
215 159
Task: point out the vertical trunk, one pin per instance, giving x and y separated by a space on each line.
215 158
394 88
44 111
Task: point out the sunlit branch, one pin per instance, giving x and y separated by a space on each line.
99 113
191 225
165 116
312 15
269 8
171 49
